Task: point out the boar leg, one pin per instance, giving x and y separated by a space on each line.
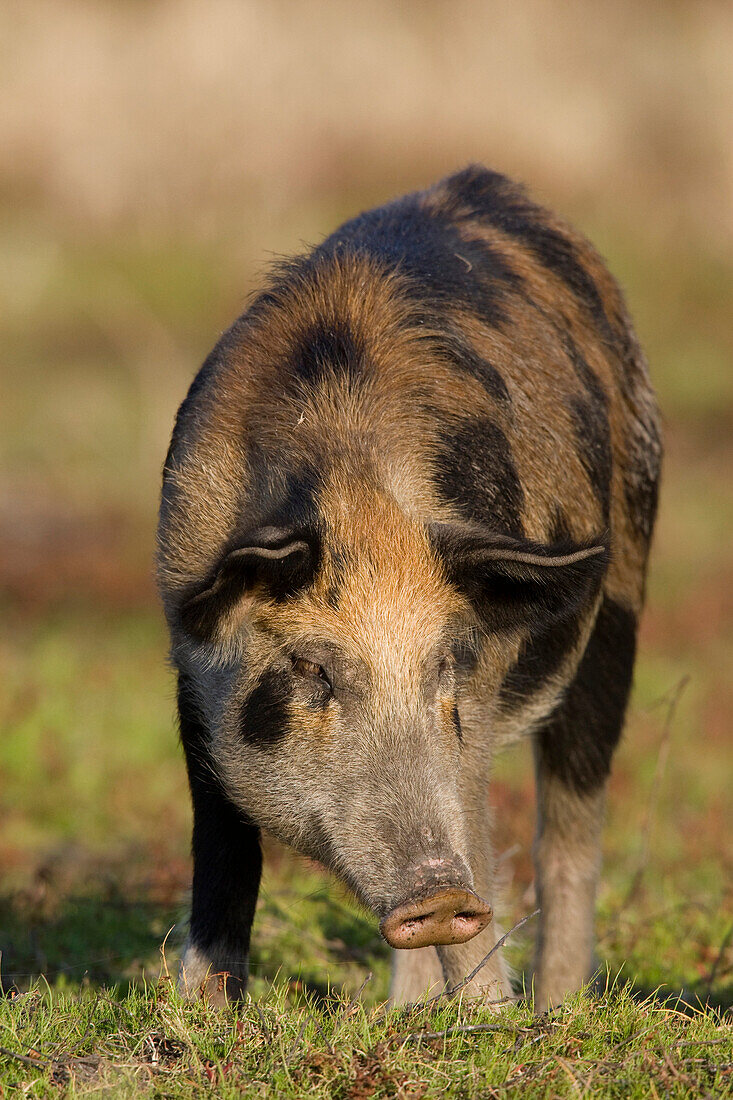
493 982
573 752
227 862
415 974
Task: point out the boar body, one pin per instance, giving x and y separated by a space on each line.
405 520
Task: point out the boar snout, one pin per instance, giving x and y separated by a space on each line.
438 912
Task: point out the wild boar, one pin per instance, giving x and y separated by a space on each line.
405 520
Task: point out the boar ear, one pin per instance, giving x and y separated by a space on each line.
519 583
279 561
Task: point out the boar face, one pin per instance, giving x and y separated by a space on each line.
328 665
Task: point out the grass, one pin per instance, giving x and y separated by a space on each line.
149 1042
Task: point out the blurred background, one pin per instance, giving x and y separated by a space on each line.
154 156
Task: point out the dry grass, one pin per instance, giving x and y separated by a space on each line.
184 112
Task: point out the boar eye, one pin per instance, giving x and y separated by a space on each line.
310 670
446 667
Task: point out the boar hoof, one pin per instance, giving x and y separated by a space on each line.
222 989
200 979
444 916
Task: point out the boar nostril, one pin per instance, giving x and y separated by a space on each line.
447 915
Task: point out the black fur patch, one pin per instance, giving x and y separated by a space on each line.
333 349
641 477
586 375
338 559
466 654
264 714
560 531
590 420
459 353
244 568
577 742
643 441
457 723
474 470
594 438
278 495
541 657
492 198
227 860
444 269
200 614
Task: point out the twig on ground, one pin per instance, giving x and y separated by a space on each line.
701 1042
360 990
676 1072
422 1005
467 1029
354 1000
323 1035
164 961
625 1042
298 1040
38 1063
469 977
263 1025
673 697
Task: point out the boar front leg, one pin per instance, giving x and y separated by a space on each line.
227 863
493 981
415 974
428 970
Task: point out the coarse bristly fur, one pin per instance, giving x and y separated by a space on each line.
405 519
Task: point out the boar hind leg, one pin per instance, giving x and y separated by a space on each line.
572 759
227 862
415 974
